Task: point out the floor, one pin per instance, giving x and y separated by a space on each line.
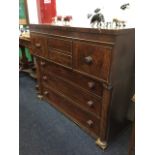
45 131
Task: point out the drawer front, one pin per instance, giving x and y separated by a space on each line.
79 116
38 44
85 82
60 58
92 59
83 99
60 44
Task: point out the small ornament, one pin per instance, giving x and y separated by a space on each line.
67 20
119 23
97 20
125 6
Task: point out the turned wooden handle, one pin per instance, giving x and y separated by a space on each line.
91 84
90 123
90 103
37 87
37 45
46 93
44 77
42 63
88 59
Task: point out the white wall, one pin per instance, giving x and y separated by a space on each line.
80 8
33 13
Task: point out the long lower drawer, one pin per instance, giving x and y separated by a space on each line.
83 98
79 116
85 82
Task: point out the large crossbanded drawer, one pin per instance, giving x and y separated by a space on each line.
92 59
78 115
85 82
83 99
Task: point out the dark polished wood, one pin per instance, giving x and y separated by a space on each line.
132 140
60 44
92 58
81 97
38 45
70 75
24 43
80 116
131 117
60 58
87 74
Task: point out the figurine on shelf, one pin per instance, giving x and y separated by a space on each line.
59 20
125 6
119 23
108 25
62 21
97 19
67 20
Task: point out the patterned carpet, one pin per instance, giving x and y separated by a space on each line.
45 131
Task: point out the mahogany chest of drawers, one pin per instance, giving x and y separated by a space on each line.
87 74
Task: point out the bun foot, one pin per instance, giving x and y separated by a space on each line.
40 97
102 145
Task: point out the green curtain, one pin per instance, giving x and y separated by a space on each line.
28 55
22 14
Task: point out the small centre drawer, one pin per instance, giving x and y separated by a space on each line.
92 59
60 44
60 58
60 50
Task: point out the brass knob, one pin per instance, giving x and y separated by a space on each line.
90 103
90 123
88 59
46 93
44 77
42 63
91 84
37 45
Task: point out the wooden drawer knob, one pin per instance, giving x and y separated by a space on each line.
90 123
46 93
90 103
88 59
44 77
42 63
91 84
37 45
37 87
